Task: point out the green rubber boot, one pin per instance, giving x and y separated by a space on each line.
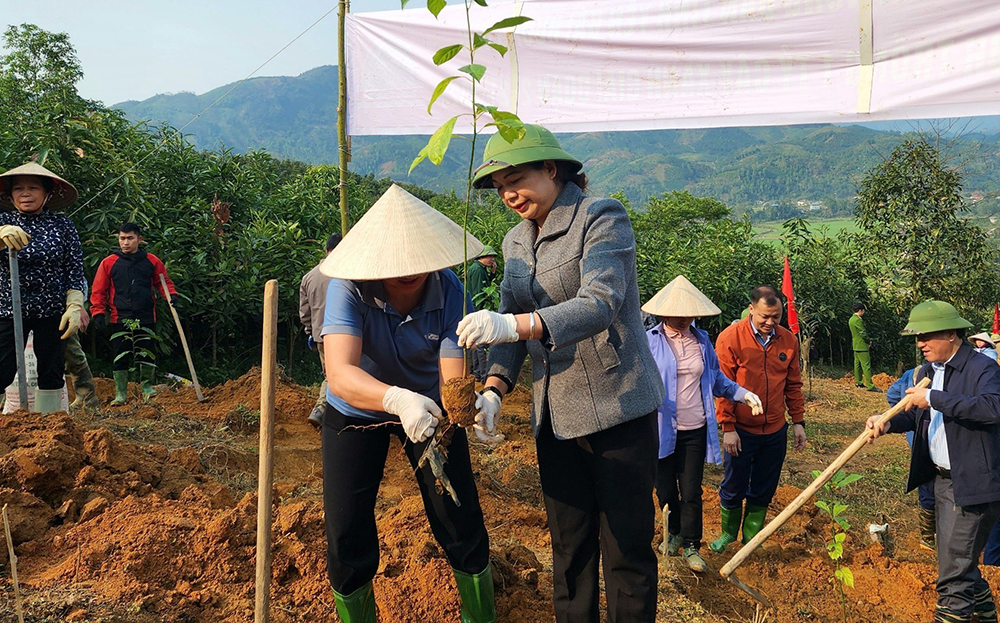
358 607
146 373
48 400
753 521
121 387
476 592
730 529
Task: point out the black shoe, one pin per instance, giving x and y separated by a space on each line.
875 389
859 384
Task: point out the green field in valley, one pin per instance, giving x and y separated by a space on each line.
771 231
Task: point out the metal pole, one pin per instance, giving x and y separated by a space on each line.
15 294
342 143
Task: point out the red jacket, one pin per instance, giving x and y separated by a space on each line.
126 285
773 374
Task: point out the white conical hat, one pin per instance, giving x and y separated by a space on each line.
681 299
399 236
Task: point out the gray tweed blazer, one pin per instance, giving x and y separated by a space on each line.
595 370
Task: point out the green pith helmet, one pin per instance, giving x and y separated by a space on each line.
536 145
931 316
488 251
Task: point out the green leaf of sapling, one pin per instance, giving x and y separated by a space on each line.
846 576
447 53
823 505
475 70
439 90
435 6
439 141
508 22
849 479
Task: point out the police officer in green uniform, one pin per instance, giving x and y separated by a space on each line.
862 344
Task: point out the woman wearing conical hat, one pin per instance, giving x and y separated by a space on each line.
389 340
569 298
50 265
688 435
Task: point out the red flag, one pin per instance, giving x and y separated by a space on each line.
789 292
996 318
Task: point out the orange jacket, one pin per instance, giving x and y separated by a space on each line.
773 374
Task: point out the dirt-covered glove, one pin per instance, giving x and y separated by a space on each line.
13 237
752 400
488 404
418 414
70 322
485 327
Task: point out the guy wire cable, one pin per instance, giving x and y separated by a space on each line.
180 130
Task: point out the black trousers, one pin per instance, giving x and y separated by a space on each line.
123 348
678 485
598 497
353 465
753 474
962 532
49 351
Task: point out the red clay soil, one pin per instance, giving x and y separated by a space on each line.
149 535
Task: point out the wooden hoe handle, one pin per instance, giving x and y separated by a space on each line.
809 491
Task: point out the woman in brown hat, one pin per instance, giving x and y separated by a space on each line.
389 340
688 436
570 298
50 263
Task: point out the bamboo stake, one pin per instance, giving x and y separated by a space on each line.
807 493
343 143
265 473
13 566
184 342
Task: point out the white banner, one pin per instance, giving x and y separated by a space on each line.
603 65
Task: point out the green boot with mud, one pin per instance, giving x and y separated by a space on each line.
121 387
753 521
358 607
928 529
146 373
730 529
476 592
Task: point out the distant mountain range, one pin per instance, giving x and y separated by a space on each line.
296 118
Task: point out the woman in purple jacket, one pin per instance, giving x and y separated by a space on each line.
690 372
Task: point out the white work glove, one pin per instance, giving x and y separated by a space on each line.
417 413
488 404
13 237
752 400
484 327
70 322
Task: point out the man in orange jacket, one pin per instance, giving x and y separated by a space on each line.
762 356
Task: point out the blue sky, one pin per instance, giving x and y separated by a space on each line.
134 49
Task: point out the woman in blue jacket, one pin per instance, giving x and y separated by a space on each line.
690 372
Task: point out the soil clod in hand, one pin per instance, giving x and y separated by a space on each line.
458 395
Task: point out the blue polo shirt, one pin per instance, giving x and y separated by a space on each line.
397 350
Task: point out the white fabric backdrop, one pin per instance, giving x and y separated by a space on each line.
586 65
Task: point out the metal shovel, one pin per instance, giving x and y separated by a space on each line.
15 294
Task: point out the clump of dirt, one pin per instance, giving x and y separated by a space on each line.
458 395
883 381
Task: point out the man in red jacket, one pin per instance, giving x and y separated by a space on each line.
762 356
125 287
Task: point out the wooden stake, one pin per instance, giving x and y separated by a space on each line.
343 142
265 472
13 566
184 342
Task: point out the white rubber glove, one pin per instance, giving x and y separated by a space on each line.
752 400
70 322
418 414
488 404
484 327
13 237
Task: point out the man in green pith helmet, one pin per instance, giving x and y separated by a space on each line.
862 345
957 447
479 275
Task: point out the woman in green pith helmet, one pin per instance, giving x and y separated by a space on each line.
570 298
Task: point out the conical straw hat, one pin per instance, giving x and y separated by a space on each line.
399 236
680 299
63 195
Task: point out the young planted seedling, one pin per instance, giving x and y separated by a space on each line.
458 395
838 530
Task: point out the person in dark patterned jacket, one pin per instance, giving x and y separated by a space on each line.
125 287
50 265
